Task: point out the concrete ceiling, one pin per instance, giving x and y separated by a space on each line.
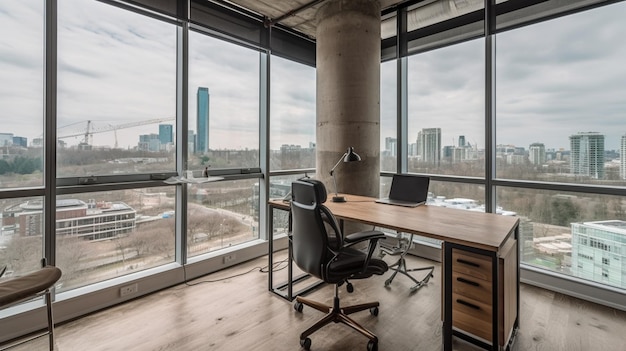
295 14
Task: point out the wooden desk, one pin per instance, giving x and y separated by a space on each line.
480 263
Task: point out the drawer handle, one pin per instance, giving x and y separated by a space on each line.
463 280
471 305
469 263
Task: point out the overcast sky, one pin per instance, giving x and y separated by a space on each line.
554 79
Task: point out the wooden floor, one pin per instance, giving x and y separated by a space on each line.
241 314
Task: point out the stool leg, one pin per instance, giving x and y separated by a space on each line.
50 320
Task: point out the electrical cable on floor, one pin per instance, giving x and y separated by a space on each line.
263 269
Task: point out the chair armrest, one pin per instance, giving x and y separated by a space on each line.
368 235
363 236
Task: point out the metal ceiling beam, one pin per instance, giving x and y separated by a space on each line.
271 22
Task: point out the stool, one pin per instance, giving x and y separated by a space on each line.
29 286
400 266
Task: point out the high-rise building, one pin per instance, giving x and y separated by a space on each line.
537 153
429 145
587 154
390 146
6 139
166 134
622 157
20 141
202 121
599 251
149 142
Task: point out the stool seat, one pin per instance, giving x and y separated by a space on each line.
31 284
38 283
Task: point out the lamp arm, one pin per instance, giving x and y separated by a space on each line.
332 171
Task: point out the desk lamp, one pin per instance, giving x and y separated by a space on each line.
348 156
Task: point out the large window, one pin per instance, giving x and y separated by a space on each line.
560 122
223 104
292 121
21 93
116 91
446 111
21 132
578 234
110 234
222 214
21 245
560 100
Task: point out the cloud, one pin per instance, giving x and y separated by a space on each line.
554 79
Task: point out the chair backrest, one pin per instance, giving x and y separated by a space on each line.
310 238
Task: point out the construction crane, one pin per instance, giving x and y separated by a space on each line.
90 130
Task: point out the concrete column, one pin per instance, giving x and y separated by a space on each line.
348 94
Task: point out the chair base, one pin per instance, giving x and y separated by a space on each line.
337 314
400 266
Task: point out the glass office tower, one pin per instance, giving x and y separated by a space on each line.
587 154
166 134
429 145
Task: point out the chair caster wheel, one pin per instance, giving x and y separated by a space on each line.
298 306
374 311
306 343
372 346
350 288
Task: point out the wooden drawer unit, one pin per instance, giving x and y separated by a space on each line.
472 292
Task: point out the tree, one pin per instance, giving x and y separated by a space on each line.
564 212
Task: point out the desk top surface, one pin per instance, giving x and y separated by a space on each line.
486 231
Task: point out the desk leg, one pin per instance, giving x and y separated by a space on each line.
270 245
288 286
447 302
290 271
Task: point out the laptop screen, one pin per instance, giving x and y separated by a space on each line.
410 188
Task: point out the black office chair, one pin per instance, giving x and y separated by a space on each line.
329 256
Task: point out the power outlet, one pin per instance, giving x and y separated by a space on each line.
129 289
228 258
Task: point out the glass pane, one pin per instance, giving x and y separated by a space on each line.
21 93
388 116
104 235
223 104
116 91
560 102
292 121
583 235
446 126
222 214
21 240
457 195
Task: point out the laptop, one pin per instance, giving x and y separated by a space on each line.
407 190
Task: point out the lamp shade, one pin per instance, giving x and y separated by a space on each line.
348 156
351 156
